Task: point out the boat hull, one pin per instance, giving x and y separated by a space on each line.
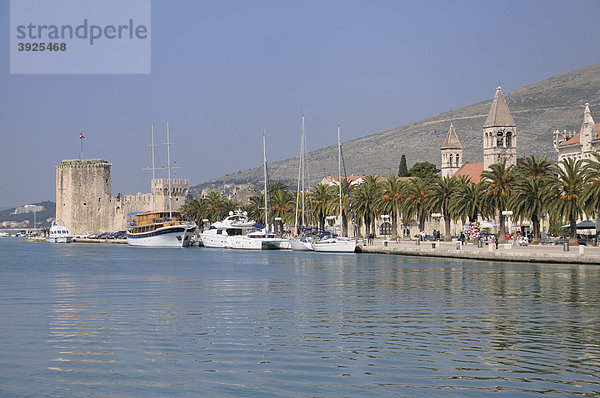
215 241
59 239
173 236
335 246
300 246
245 243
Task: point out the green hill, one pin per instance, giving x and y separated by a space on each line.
538 109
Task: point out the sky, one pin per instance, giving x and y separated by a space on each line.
222 72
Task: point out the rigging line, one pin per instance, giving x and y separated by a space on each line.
270 198
348 190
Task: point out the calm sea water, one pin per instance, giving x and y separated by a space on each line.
110 320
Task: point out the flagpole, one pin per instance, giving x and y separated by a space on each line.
81 137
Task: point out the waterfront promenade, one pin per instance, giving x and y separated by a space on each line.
505 252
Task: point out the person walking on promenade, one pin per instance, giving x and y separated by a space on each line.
496 241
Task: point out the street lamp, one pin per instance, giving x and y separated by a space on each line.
278 223
385 217
436 217
507 214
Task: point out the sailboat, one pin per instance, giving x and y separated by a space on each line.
160 228
336 244
260 239
301 242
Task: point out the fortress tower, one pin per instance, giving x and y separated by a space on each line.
83 189
499 134
452 153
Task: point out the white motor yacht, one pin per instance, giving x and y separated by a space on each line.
236 224
58 233
259 240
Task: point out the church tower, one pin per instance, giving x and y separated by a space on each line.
451 153
499 134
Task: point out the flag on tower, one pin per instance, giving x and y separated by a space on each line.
81 136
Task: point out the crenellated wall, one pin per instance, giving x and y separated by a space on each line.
84 202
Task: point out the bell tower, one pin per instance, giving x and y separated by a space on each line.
499 134
452 153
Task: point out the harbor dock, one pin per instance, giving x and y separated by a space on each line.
505 252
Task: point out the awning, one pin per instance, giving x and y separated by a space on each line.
587 224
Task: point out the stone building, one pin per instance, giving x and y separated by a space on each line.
452 153
569 144
85 204
499 142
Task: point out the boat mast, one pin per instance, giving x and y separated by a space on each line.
302 163
169 169
153 170
340 174
300 178
265 174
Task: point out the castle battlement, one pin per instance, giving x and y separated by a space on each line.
84 163
84 200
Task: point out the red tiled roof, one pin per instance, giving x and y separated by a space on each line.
576 139
470 170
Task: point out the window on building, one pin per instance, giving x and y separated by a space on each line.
509 139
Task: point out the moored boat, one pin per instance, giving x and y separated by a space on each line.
259 240
220 232
58 233
337 244
160 229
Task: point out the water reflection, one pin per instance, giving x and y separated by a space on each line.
286 324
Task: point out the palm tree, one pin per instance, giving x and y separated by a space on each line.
530 199
568 186
320 199
440 199
195 209
535 167
392 195
256 208
591 194
499 181
283 203
216 204
467 200
417 201
365 200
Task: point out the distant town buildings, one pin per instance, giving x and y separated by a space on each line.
568 144
28 209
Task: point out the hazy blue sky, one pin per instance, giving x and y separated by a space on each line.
222 71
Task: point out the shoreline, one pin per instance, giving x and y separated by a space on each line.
548 254
506 252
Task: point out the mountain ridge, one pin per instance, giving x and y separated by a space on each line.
538 109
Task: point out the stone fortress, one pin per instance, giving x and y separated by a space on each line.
84 202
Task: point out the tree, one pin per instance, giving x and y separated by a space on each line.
467 200
535 167
499 181
320 199
402 168
590 197
568 186
440 199
417 201
365 198
530 200
392 196
283 203
425 170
